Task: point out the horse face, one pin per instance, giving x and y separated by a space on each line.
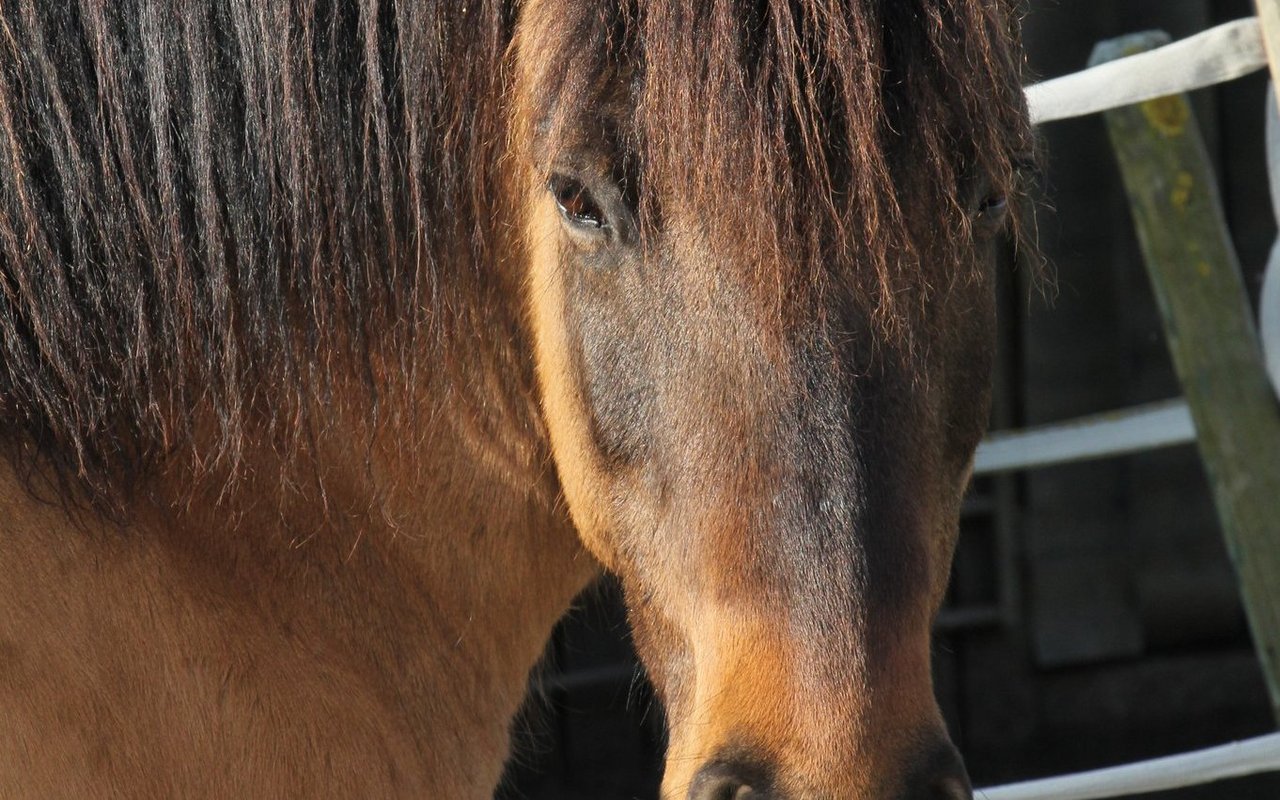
774 473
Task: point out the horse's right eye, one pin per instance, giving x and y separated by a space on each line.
575 202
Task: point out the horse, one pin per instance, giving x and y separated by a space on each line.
343 344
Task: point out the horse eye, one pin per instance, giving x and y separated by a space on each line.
993 205
575 202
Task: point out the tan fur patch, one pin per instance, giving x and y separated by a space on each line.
582 478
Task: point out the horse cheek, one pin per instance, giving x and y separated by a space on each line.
582 476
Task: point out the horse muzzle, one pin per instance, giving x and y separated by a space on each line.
939 775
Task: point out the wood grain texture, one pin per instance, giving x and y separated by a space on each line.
1209 329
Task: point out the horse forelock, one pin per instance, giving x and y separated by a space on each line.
813 141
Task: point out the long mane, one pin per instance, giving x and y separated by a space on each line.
205 200
206 203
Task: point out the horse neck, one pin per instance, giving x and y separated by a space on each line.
443 532
424 565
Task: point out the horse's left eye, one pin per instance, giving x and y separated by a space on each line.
993 205
575 202
992 212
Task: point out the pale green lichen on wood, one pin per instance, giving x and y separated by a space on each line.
1180 197
1168 114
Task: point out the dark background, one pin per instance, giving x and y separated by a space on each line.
1093 617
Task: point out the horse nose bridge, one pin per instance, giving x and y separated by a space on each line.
815 699
806 699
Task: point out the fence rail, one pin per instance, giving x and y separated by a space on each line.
1235 760
1114 433
1218 55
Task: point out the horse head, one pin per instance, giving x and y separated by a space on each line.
761 239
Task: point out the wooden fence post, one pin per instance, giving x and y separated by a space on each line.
1211 336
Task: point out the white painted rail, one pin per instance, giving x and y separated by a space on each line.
1234 760
1115 433
1217 55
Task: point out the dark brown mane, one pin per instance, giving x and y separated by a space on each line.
385 326
204 201
206 204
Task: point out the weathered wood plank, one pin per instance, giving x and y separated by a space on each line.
1211 336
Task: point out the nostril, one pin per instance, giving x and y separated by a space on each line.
940 776
722 781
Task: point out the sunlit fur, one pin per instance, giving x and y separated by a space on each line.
337 415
